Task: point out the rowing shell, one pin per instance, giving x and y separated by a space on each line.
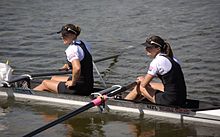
204 112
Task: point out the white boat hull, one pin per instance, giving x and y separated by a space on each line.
205 116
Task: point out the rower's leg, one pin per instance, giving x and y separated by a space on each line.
157 86
40 87
51 85
60 78
149 93
48 85
133 94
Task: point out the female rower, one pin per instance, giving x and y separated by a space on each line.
79 60
172 90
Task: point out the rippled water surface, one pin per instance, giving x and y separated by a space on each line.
29 41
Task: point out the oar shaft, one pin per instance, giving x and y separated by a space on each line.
106 58
24 77
68 72
50 73
96 102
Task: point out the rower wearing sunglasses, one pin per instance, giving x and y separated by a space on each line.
79 60
172 89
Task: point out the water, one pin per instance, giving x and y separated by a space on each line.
29 41
18 122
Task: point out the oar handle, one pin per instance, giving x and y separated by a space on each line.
105 91
50 73
114 90
124 88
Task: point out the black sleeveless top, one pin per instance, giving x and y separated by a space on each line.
174 84
86 75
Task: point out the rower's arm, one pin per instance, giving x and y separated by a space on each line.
146 81
64 67
76 70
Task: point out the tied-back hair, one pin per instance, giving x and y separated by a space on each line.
167 50
164 45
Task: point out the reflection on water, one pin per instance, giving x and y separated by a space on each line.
89 124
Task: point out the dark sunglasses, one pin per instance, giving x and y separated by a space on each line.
66 34
149 47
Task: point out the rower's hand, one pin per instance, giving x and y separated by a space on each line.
64 67
139 79
69 84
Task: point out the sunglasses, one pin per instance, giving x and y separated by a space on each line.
65 35
149 47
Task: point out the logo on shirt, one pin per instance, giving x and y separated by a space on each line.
150 68
72 56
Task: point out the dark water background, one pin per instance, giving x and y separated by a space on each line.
29 41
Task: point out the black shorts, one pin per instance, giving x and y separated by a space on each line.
78 89
165 99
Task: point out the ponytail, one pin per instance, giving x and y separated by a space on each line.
167 50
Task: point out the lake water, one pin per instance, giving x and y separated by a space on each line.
29 41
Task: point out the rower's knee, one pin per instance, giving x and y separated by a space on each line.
54 78
132 95
45 83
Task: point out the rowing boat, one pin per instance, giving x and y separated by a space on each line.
197 111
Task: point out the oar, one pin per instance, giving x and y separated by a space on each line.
106 58
96 102
29 76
